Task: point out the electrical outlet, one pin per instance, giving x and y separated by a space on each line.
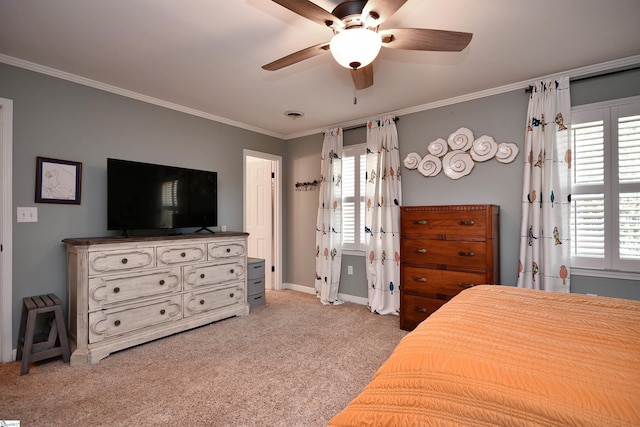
27 214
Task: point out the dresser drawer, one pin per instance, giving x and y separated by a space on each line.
433 282
171 255
255 286
467 223
121 260
201 302
414 309
469 255
117 288
125 319
255 268
226 249
196 276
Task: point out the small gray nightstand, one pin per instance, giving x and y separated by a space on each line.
255 282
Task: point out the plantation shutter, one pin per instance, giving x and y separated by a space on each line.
629 179
587 216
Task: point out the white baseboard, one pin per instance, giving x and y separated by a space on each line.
308 290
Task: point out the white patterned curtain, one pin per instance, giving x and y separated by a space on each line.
382 218
546 200
329 221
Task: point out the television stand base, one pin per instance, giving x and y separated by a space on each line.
205 229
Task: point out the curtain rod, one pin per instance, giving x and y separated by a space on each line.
396 119
594 76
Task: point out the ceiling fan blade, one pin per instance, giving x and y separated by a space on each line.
296 57
424 39
383 8
309 10
363 77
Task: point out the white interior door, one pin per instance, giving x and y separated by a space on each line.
259 193
6 231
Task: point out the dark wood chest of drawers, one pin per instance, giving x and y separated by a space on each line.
444 250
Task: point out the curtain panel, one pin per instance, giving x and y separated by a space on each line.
329 220
383 197
545 249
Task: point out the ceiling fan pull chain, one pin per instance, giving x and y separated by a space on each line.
355 98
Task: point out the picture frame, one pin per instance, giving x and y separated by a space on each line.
58 181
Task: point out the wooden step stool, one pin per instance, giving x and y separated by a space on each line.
27 350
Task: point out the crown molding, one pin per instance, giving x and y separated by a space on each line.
574 73
129 94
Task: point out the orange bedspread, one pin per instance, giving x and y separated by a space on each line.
498 355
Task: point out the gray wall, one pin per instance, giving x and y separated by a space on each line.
500 116
59 119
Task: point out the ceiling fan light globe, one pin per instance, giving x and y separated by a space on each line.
355 47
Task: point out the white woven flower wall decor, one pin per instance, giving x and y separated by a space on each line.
457 155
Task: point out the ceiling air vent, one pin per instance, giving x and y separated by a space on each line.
294 114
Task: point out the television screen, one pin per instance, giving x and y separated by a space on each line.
143 196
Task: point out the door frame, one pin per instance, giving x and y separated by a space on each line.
6 230
277 209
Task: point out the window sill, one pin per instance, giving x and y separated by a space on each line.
609 274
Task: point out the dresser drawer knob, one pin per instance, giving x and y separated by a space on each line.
162 311
419 279
465 285
420 309
162 282
201 302
228 250
117 323
232 271
420 222
124 260
467 223
420 251
231 295
116 290
183 254
202 275
462 253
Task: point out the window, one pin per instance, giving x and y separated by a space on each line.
605 195
354 168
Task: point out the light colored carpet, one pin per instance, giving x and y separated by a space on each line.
292 362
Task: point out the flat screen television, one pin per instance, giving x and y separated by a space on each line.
144 196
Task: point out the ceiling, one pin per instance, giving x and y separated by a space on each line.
205 56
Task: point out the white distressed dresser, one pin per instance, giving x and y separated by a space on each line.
126 291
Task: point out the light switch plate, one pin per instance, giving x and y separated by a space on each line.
27 214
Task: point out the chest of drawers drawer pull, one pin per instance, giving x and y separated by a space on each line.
116 290
463 253
201 302
420 309
419 279
420 222
163 311
202 275
232 271
231 295
467 223
465 285
161 282
420 251
116 323
183 254
124 260
228 250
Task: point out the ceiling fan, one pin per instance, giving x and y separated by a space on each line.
357 38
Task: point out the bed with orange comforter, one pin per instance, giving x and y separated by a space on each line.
498 355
